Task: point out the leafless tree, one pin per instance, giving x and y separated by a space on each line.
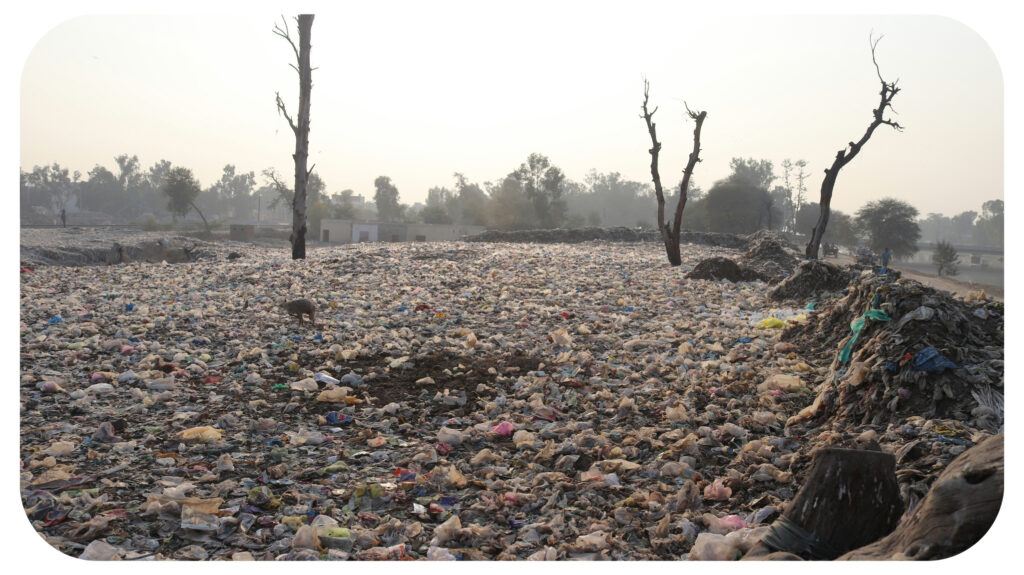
670 232
301 130
843 157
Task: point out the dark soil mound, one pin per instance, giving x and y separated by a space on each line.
719 268
771 255
813 279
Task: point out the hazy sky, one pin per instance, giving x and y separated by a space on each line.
418 91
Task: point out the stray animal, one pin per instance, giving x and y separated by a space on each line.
301 307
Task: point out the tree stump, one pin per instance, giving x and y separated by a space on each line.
850 498
957 512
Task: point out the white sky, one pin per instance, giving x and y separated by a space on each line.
417 91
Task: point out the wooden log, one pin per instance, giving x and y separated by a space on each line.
959 509
849 498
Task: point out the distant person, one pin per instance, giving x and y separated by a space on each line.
63 218
886 256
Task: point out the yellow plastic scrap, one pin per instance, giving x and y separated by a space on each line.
204 433
771 323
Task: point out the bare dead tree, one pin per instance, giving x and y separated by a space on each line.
301 130
843 157
670 232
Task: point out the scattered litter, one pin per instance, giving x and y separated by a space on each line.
476 400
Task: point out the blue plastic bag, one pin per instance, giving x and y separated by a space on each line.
930 360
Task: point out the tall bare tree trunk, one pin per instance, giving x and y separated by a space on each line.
301 130
670 234
889 90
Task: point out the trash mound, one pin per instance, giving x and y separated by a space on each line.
722 268
771 255
78 247
812 280
617 234
903 349
504 401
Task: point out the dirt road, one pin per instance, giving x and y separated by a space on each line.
951 285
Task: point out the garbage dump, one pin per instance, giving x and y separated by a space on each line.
908 350
770 255
814 280
473 401
616 234
722 268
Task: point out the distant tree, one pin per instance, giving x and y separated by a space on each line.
51 188
614 200
386 199
945 258
962 226
542 181
787 187
670 233
890 223
435 214
754 173
593 218
300 129
316 188
842 231
736 207
129 180
989 227
843 157
801 184
101 191
470 203
182 189
782 208
508 207
153 184
695 217
235 191
436 209
575 221
318 210
806 218
344 208
935 227
282 193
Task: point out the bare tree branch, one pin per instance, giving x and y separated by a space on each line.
670 233
285 34
654 151
843 157
281 110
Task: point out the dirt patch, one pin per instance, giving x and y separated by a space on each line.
463 379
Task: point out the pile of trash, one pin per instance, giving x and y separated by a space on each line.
722 268
615 234
509 401
901 348
82 246
814 280
771 255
